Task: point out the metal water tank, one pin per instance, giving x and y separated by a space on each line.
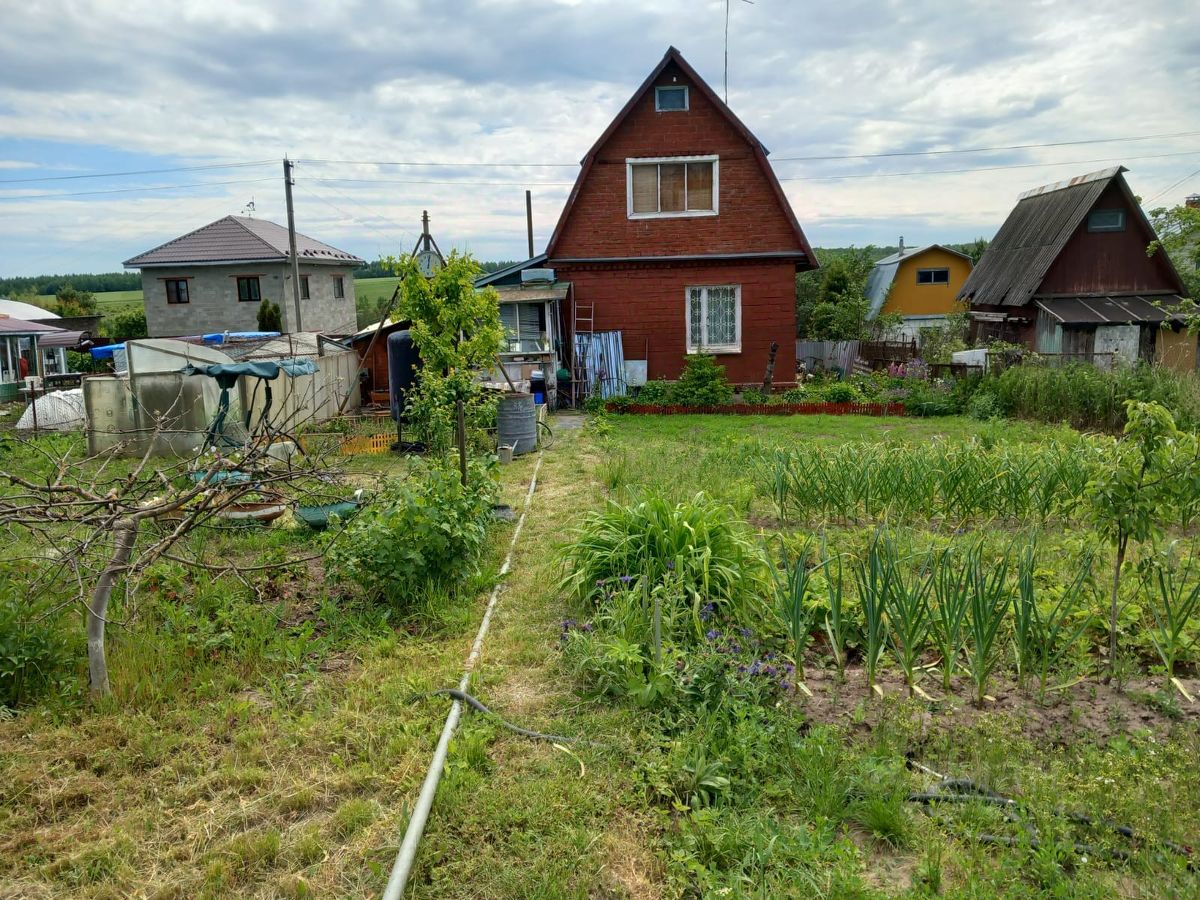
516 423
403 364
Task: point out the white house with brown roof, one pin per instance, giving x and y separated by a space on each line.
216 277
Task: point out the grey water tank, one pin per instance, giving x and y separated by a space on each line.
516 423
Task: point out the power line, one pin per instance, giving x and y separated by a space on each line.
241 165
454 181
389 240
157 187
1078 162
885 155
1172 187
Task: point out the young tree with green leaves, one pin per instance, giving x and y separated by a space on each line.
1153 467
457 332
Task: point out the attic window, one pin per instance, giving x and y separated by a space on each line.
672 186
670 99
933 276
1106 220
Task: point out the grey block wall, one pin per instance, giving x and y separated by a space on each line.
214 306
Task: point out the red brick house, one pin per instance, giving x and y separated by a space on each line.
678 234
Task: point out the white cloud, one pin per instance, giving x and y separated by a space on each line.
537 81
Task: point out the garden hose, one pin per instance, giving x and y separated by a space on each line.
464 697
963 790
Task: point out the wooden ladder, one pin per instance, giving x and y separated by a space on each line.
582 322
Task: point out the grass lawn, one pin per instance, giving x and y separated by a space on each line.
270 744
374 290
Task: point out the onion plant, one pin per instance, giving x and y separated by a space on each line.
948 618
988 603
1043 634
908 618
791 590
836 625
1178 598
875 577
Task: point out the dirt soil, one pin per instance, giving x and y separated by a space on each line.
1088 711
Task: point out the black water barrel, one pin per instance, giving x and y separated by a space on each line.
403 366
516 423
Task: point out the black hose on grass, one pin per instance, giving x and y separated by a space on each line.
963 790
464 697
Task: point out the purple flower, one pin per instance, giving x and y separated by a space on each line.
706 612
770 670
625 579
587 627
671 567
745 632
712 635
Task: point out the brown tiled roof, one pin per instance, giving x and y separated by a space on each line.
239 239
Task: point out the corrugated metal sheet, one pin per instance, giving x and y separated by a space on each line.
603 357
1110 310
237 239
1030 239
827 355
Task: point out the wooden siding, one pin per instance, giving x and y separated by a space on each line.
1111 261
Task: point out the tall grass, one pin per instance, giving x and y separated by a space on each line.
1044 633
939 480
1176 602
988 601
1092 398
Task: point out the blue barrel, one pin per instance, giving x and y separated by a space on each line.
516 423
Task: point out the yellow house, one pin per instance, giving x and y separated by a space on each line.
919 284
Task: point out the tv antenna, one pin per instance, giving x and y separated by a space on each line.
751 2
248 209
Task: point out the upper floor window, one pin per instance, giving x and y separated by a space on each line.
672 186
248 289
933 276
304 290
714 319
670 98
177 290
339 287
1106 220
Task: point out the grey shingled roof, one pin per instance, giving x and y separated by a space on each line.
239 239
1031 238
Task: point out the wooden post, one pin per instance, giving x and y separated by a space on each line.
769 377
462 439
529 220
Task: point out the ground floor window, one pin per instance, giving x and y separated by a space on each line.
304 289
248 289
177 290
714 319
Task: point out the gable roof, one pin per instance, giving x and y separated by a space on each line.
239 239
500 274
1035 233
884 273
760 152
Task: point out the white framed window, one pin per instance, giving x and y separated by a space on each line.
714 318
933 276
671 98
672 186
1106 220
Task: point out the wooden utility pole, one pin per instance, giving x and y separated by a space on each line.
291 216
529 220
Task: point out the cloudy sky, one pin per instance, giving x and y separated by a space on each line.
113 86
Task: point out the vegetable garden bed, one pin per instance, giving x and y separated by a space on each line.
763 409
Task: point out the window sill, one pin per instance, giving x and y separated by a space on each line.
688 214
722 350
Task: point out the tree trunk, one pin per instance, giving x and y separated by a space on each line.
769 377
1114 607
124 535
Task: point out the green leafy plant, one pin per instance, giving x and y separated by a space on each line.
1044 634
270 316
1176 601
703 383
839 392
654 393
952 592
908 619
791 590
987 607
875 576
34 649
699 545
837 625
420 531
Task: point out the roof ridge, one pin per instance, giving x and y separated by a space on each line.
260 238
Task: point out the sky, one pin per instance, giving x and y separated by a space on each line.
520 91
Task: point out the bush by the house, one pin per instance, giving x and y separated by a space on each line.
35 649
426 529
654 393
703 383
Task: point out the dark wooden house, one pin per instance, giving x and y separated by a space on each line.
1068 275
678 235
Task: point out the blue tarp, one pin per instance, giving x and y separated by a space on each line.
105 352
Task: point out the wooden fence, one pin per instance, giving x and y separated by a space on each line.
763 409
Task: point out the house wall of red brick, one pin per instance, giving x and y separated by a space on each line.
750 218
647 304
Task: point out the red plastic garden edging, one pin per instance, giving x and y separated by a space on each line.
764 409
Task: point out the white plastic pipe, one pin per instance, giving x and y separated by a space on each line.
402 868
